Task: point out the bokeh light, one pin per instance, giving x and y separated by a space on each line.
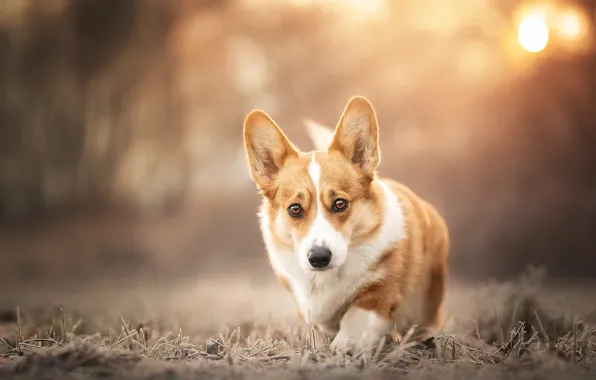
571 24
533 33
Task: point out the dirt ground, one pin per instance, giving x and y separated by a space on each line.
244 328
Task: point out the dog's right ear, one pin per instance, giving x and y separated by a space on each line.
267 148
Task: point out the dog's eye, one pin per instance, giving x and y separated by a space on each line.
340 205
295 210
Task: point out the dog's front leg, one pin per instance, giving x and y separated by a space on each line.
359 329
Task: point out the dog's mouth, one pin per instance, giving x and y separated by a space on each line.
320 269
329 268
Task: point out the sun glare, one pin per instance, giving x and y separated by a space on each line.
533 33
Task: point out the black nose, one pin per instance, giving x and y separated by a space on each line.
319 256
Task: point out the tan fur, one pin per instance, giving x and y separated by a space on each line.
407 279
418 263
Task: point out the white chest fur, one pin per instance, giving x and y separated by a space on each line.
320 295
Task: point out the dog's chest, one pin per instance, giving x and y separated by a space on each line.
322 296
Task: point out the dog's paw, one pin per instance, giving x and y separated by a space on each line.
341 345
350 345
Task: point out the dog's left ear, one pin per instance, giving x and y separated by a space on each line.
357 135
267 148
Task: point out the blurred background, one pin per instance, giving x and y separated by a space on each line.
121 155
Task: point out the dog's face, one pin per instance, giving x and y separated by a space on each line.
319 203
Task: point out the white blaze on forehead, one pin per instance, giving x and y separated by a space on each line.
321 231
314 171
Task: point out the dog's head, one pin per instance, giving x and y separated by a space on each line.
318 203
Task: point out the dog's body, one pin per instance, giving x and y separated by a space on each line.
359 253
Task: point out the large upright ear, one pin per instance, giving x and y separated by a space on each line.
357 135
267 148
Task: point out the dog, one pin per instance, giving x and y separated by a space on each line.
361 255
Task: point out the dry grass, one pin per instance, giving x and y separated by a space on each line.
507 332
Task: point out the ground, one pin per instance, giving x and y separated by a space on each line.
237 328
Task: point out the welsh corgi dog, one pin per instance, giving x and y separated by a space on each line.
361 255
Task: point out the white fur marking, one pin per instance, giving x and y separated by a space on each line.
321 231
359 327
314 171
